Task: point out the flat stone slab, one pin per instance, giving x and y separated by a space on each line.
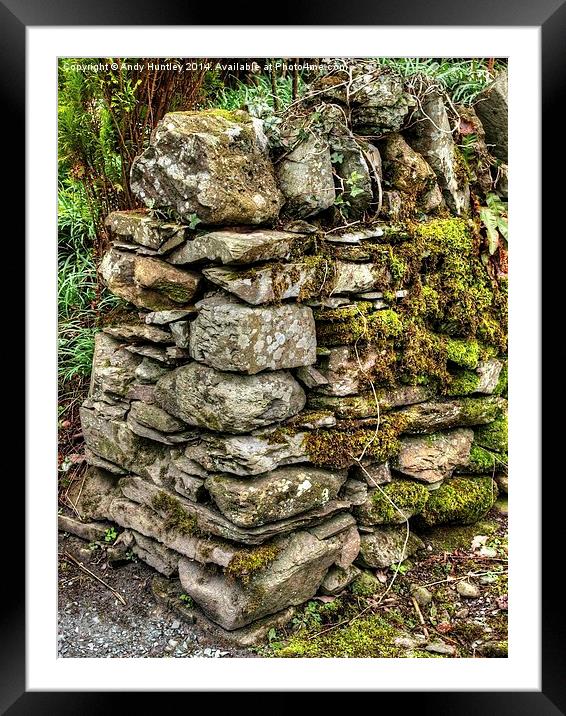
432 458
236 337
142 229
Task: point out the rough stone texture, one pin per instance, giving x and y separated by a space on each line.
355 491
338 578
200 395
492 108
354 172
310 376
406 171
141 228
292 578
433 457
154 417
432 137
344 374
440 415
378 103
147 282
305 175
236 337
181 332
211 164
114 369
373 473
139 509
161 558
488 372
93 495
384 546
364 406
138 333
89 531
238 247
274 496
161 318
350 546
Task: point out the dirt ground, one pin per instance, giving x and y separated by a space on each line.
93 621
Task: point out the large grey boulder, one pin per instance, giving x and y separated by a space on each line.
211 164
148 282
292 578
274 496
238 247
200 395
140 228
492 108
431 136
236 337
386 546
432 458
305 172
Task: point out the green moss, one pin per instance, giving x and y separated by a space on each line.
248 562
465 382
493 435
481 461
478 411
367 637
501 387
177 517
343 313
177 293
339 448
365 585
360 327
406 496
461 500
463 353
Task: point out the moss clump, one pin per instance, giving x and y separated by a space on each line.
320 280
465 382
339 448
343 313
174 291
463 353
248 562
407 497
493 435
501 387
481 461
177 517
360 327
365 585
369 637
462 500
478 411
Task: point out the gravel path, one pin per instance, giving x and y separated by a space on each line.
94 623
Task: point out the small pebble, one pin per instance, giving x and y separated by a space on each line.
468 590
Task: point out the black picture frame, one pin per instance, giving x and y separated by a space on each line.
550 16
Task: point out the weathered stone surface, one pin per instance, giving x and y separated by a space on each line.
488 372
431 136
355 491
384 546
364 406
432 458
189 486
277 495
292 578
236 337
502 481
392 504
406 171
212 164
160 318
350 547
238 247
492 108
152 416
333 526
439 415
337 579
135 333
305 174
147 282
176 510
378 102
460 500
113 368
373 473
310 376
92 496
152 552
141 228
171 355
353 170
89 531
115 443
200 395
181 332
345 375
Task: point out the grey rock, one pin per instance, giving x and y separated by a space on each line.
189 486
238 247
337 579
149 371
305 175
158 436
160 318
337 524
92 495
488 372
431 136
503 483
138 333
355 491
181 332
345 375
209 164
154 417
421 595
492 108
141 228
386 546
354 172
200 395
378 102
373 473
89 531
292 578
350 547
152 552
440 647
312 420
275 496
147 282
432 458
236 337
431 416
468 590
365 405
171 355
113 368
310 376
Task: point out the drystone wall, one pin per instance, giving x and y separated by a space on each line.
310 371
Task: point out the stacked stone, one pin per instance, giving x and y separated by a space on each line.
242 426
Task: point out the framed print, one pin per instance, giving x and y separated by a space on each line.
279 357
